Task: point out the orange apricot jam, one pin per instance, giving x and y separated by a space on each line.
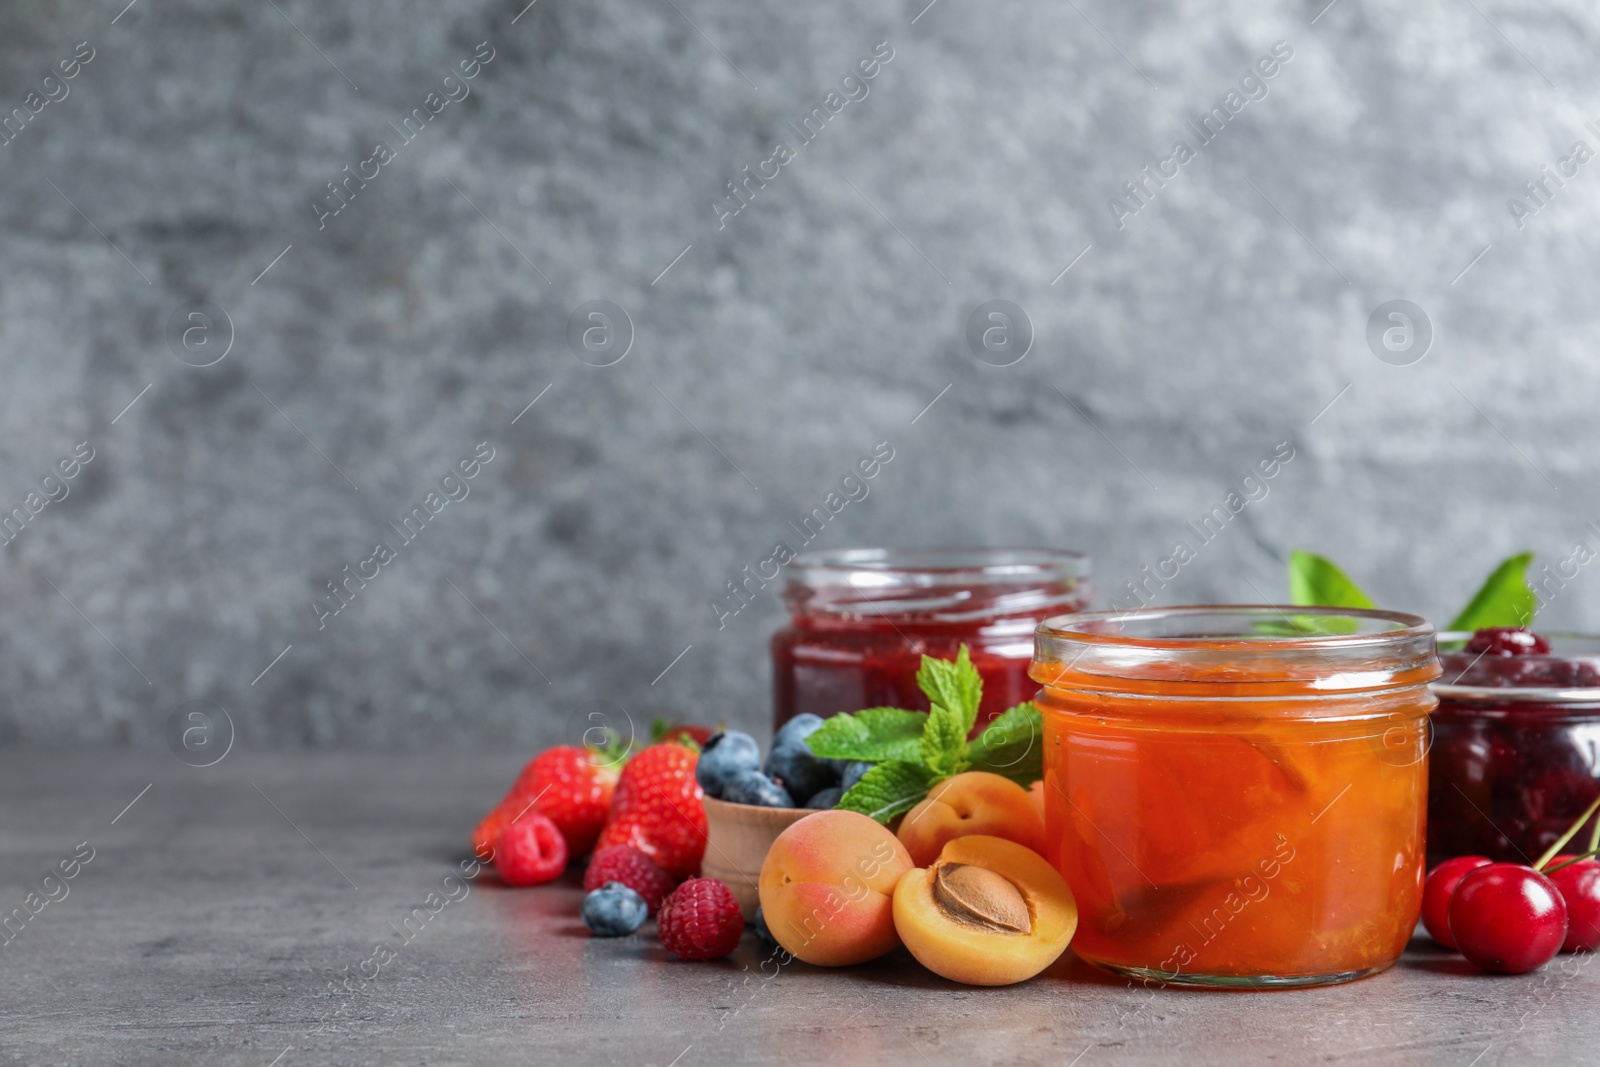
1237 795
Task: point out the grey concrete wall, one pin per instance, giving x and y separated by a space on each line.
588 160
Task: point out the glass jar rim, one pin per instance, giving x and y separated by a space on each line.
1521 694
936 566
1004 588
1261 649
1085 626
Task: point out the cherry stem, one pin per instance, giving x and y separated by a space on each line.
1572 831
1594 837
1576 859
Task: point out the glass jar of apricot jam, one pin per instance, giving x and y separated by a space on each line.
862 619
1236 795
1516 747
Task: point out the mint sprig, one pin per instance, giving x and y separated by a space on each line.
944 742
1010 746
889 789
1504 599
916 750
872 735
954 685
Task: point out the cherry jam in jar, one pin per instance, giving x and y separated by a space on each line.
862 619
1516 749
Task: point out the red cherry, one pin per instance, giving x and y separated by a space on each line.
1579 886
1507 917
1436 891
1508 641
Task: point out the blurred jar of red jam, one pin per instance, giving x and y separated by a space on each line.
1516 749
862 619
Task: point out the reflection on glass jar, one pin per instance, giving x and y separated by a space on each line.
1236 794
1516 752
862 619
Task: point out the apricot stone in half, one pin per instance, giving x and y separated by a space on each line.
987 912
975 802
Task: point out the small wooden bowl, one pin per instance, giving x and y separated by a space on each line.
737 839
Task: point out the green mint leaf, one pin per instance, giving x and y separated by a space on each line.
944 742
1316 581
956 685
871 734
1504 600
889 789
1011 746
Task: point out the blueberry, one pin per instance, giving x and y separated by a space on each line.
724 755
796 730
853 773
762 933
614 910
753 787
792 762
800 773
825 798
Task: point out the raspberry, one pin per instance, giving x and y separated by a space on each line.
1508 641
700 920
531 851
626 864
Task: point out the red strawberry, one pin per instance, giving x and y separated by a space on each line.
489 829
531 851
662 730
625 864
657 809
570 786
700 920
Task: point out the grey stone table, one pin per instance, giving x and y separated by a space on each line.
231 915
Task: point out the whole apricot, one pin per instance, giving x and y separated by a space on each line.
827 888
976 802
987 912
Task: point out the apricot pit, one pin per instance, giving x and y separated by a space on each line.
978 897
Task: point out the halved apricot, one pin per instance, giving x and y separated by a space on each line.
987 912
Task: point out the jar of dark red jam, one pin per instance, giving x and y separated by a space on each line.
862 619
1516 749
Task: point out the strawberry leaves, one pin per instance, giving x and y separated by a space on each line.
915 750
